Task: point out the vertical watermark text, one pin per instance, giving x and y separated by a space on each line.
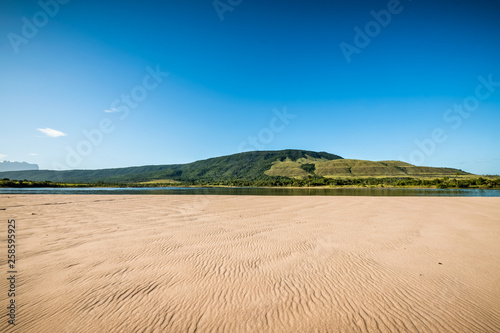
11 271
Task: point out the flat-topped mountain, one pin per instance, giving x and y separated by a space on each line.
256 165
17 166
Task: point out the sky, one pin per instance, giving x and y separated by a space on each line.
92 84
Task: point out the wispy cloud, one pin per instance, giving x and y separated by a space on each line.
3 156
111 110
33 154
51 132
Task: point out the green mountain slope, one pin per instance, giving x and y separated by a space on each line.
257 165
248 166
242 166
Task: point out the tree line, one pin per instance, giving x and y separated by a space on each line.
311 181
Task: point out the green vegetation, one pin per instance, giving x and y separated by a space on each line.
482 183
442 183
309 167
6 182
245 166
291 168
286 168
359 168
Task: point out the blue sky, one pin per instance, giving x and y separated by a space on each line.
422 84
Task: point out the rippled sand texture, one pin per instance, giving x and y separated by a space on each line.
254 264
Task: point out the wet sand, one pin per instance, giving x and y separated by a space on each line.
123 263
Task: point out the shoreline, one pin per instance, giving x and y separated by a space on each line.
76 186
266 187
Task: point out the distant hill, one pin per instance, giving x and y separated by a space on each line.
17 166
257 165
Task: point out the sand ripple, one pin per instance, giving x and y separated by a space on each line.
254 264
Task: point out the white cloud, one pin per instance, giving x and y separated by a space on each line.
111 110
33 154
51 132
3 156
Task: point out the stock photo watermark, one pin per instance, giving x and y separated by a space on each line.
221 7
372 29
31 26
11 271
121 106
266 135
453 116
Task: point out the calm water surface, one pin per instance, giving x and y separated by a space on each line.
260 191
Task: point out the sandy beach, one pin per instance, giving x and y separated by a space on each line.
165 263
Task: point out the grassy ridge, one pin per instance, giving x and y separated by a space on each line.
356 168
